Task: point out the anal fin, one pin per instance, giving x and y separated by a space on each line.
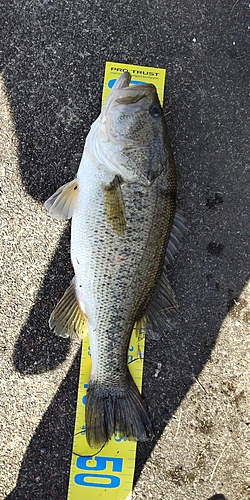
68 319
61 204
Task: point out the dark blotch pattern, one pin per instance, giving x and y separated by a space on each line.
214 248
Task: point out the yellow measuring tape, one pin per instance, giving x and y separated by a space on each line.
109 473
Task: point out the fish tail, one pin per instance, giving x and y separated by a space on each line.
115 409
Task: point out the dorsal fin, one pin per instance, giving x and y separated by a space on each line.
175 239
163 302
162 305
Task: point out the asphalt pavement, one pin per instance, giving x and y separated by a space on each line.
53 55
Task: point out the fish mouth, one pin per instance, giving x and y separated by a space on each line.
123 81
127 97
134 96
130 99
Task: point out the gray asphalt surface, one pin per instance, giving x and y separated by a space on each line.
52 63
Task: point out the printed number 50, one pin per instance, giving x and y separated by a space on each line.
101 464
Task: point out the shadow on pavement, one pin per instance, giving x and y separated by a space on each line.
45 470
218 496
53 56
36 350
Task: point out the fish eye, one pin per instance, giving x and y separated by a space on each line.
155 110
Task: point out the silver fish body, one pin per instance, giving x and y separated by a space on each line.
122 204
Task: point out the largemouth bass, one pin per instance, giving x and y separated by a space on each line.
125 230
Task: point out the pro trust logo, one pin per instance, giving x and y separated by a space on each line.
135 71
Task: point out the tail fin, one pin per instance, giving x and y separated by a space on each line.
112 408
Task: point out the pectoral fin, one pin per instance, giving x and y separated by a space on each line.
61 204
114 206
68 319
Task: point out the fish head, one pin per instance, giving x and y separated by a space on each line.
133 131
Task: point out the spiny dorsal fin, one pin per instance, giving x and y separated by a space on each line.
68 319
61 204
114 207
177 233
162 304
